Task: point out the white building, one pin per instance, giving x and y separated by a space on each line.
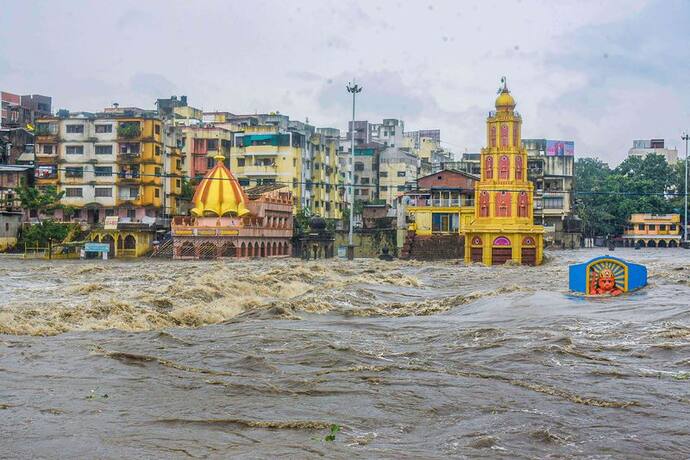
643 147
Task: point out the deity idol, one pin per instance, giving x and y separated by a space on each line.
604 282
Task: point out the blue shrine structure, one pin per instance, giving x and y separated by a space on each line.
606 275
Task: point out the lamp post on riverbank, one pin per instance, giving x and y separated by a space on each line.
354 89
685 137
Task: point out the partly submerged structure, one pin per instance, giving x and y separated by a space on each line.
606 275
503 225
226 221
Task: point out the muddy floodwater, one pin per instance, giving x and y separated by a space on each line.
256 359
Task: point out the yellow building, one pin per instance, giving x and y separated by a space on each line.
280 151
442 204
397 167
653 231
503 226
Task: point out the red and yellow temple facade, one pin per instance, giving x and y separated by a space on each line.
503 225
227 222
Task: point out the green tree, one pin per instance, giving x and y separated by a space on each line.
41 233
42 201
187 190
606 198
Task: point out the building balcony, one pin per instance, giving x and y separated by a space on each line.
128 178
440 202
260 170
261 150
129 157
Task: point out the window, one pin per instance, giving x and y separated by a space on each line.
129 148
209 163
178 164
48 149
158 193
553 202
401 173
100 129
157 172
104 150
672 228
158 150
359 166
74 150
132 213
384 188
103 171
73 192
383 174
157 128
365 180
662 227
640 226
75 129
212 144
133 192
240 162
401 188
652 227
178 183
104 192
244 182
74 171
109 212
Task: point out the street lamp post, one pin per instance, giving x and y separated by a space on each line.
354 89
685 137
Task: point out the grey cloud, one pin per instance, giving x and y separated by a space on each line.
151 84
384 93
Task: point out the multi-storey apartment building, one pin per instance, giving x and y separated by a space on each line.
365 172
551 168
17 111
397 167
272 149
201 143
110 164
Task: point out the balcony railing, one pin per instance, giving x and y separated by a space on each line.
441 202
260 170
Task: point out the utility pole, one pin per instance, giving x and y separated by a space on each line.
354 89
685 137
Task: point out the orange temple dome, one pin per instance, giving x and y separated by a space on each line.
219 194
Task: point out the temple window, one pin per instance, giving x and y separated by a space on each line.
492 136
516 141
504 135
523 205
484 204
504 168
489 167
503 204
518 167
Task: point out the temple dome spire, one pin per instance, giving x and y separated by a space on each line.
504 101
219 194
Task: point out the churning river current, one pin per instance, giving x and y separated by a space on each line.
257 359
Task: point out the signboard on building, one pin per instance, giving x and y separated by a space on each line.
97 247
560 148
110 223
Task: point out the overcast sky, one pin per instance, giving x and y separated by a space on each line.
601 73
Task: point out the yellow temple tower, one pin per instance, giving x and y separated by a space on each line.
503 226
